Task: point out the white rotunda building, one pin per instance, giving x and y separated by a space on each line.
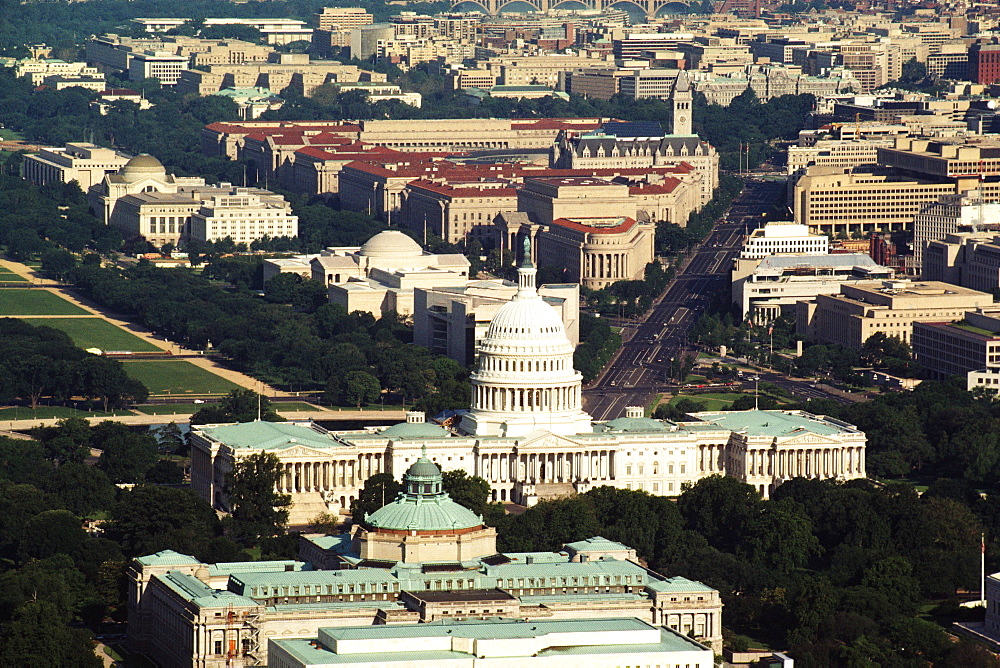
525 380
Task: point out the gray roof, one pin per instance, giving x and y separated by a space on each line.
860 260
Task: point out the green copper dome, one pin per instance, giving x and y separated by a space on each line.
423 505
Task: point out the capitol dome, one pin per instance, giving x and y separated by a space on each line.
391 244
143 166
525 380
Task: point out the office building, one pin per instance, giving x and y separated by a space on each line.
142 200
968 345
380 276
890 307
779 282
453 321
950 215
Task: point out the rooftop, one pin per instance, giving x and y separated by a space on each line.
262 435
778 424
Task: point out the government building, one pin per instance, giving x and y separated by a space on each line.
527 434
420 582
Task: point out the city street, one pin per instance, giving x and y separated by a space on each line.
641 369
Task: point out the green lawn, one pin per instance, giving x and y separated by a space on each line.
292 406
97 333
171 409
177 378
10 135
43 412
19 301
186 408
6 275
712 401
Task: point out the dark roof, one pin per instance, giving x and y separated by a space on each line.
496 560
633 129
462 595
442 568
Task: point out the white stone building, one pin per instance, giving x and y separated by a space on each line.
528 436
85 163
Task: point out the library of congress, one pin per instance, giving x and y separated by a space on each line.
526 433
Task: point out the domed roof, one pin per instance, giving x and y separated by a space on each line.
391 244
142 166
527 320
434 514
423 505
414 430
423 468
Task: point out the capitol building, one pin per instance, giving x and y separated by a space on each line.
527 434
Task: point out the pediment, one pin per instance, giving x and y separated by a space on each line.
302 451
807 438
544 440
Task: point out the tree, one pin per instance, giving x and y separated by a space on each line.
238 406
720 508
149 519
165 472
126 456
58 263
472 492
780 538
81 489
38 636
379 490
359 387
257 509
51 532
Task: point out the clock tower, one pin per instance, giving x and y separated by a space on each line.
681 98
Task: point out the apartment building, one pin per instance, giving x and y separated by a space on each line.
83 162
891 307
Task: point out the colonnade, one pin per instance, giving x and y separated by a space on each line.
546 467
301 477
531 399
843 462
710 458
607 265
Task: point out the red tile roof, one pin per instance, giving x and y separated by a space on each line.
626 224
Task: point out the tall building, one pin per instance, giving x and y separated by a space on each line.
681 99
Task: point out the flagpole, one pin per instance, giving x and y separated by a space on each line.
982 569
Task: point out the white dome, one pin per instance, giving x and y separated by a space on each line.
530 321
391 244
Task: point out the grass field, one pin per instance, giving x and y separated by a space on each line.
10 135
96 333
172 409
177 378
185 408
6 275
712 401
17 301
43 412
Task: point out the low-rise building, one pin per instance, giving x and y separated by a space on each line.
951 214
969 259
83 162
37 69
453 320
142 200
457 643
417 565
783 238
779 282
380 276
890 307
969 344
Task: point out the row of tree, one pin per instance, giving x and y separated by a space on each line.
311 349
39 363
